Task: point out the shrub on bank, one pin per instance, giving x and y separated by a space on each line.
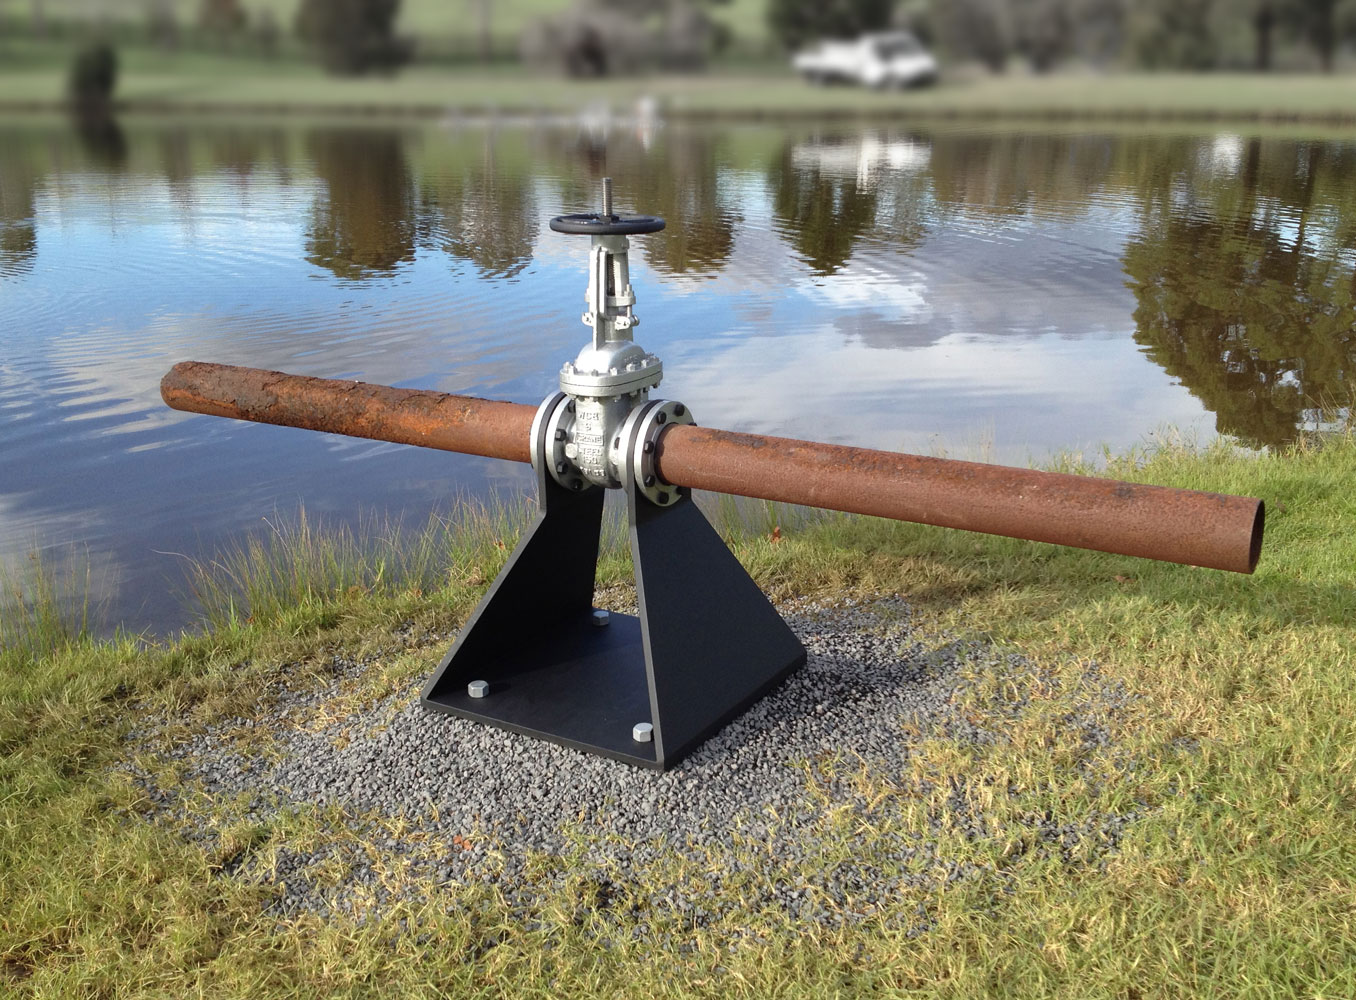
354 37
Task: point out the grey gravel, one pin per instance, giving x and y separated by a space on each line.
485 807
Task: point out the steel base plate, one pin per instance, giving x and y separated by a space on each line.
706 645
585 688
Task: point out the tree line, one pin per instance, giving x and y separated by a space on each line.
601 37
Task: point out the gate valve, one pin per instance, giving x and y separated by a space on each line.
578 432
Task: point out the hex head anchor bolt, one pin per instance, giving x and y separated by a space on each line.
478 689
642 732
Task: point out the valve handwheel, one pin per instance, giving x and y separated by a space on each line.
597 224
604 223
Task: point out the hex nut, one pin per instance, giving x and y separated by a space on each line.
478 689
601 617
642 732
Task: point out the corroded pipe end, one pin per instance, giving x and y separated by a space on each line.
1258 526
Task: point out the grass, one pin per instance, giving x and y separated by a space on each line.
32 74
1237 750
43 610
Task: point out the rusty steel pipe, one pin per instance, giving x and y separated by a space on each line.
359 409
1153 522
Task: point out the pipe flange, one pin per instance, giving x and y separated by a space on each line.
637 444
551 441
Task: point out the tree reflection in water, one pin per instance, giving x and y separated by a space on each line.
481 205
364 225
702 220
1245 290
822 214
1240 253
18 228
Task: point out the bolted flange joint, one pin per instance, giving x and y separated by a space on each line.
636 444
551 429
630 455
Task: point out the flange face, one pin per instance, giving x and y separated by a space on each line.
550 435
636 443
594 224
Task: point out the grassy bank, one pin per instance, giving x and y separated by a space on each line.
34 78
1236 753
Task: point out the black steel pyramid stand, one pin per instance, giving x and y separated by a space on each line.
536 657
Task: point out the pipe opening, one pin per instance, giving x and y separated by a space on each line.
1255 543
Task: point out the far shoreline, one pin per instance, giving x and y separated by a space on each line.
251 88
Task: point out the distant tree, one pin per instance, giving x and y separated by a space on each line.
1263 24
1043 30
353 36
222 17
162 24
94 74
1100 29
976 29
1173 34
266 33
1316 22
222 22
918 17
483 11
609 37
796 22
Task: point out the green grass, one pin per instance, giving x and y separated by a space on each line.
33 73
1235 881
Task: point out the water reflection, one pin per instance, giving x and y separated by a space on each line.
102 136
363 224
701 238
891 288
18 229
1012 175
822 214
483 208
1245 290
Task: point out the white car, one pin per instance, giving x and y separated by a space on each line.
887 59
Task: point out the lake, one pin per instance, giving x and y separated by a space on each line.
1002 295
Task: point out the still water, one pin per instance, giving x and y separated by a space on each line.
997 295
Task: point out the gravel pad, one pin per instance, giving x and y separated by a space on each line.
750 807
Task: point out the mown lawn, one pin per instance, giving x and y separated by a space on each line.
33 73
1237 754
